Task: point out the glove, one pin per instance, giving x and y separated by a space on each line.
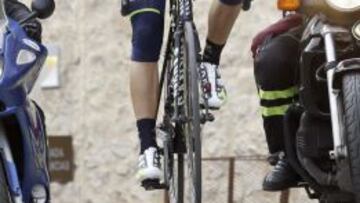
33 29
18 11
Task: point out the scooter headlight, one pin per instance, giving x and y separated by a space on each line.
25 57
356 30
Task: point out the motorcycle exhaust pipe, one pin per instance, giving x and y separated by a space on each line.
321 177
291 125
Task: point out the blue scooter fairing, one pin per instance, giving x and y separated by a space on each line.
23 121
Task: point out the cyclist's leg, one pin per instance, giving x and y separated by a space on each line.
144 89
279 55
222 16
147 19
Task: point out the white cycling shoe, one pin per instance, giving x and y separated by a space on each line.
215 91
149 167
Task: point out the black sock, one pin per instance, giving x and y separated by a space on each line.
147 135
212 52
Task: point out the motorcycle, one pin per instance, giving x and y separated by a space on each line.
24 172
322 129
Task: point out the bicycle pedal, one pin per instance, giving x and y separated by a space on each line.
161 151
206 107
205 117
210 117
152 184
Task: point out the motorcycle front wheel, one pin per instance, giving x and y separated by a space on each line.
351 109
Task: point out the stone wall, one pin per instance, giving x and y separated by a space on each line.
93 103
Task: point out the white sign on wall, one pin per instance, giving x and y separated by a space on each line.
49 77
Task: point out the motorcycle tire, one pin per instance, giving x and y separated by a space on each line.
351 110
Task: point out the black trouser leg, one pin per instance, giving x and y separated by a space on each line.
275 69
275 72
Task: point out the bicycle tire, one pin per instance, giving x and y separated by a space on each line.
192 125
176 189
174 174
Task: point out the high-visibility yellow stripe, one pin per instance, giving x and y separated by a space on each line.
274 111
278 94
153 10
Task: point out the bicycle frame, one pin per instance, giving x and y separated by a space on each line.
180 12
23 138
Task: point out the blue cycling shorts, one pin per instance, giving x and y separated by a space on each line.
147 20
133 7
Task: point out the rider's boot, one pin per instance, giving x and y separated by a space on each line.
283 176
149 168
213 87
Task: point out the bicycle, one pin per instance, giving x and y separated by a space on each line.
184 114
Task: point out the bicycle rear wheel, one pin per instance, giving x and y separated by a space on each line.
176 184
174 172
173 159
192 112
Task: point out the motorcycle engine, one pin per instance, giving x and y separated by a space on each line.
314 136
